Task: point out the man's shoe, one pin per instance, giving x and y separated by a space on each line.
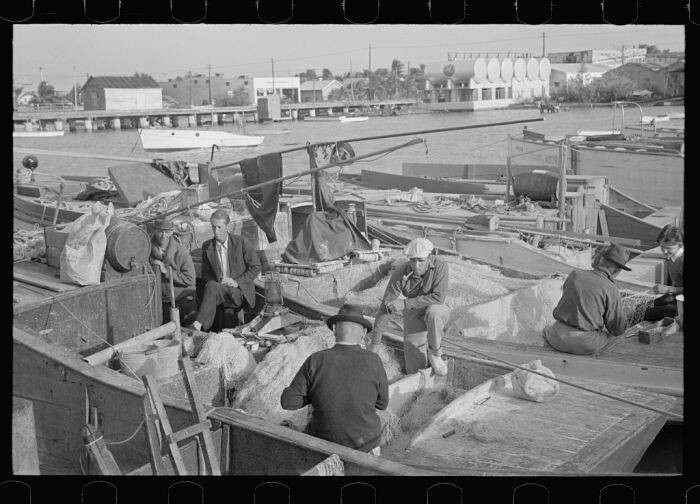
439 366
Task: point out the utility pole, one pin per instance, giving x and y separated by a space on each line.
370 74
273 76
543 53
41 74
209 81
352 92
622 54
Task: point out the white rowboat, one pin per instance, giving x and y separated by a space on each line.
170 139
37 134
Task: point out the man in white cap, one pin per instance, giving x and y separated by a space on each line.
417 289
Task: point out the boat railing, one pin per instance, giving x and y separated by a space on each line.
622 104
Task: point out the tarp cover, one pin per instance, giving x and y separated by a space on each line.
262 203
325 236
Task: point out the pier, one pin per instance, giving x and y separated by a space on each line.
90 120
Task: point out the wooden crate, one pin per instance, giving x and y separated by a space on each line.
55 240
196 193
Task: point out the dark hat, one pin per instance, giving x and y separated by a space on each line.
349 313
617 254
163 225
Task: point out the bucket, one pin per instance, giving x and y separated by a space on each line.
679 304
166 353
127 244
135 363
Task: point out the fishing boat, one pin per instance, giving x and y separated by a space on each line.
657 118
648 167
37 134
341 119
173 140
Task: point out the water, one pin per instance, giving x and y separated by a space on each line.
484 145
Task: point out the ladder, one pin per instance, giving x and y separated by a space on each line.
155 415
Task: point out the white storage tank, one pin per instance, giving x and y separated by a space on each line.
435 74
493 70
507 69
473 69
533 69
545 69
520 69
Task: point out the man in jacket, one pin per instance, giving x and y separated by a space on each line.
169 255
417 289
230 265
590 310
344 385
670 241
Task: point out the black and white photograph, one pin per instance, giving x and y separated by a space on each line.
348 250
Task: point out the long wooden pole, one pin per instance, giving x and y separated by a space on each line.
604 394
248 189
395 135
105 355
30 150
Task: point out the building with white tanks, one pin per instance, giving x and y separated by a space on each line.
486 83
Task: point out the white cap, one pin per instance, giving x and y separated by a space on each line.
418 247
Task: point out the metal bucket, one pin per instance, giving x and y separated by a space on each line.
127 245
166 353
135 363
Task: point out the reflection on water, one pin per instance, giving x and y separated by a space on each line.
485 145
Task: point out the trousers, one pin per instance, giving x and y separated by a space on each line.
571 340
216 294
664 306
422 331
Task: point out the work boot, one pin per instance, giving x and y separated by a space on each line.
439 366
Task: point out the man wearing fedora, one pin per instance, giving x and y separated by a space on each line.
417 289
169 255
230 266
344 385
590 310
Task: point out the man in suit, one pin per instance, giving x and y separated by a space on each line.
168 256
230 264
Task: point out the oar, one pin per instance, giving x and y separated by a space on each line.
604 394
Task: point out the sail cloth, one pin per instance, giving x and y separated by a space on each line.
325 236
321 192
262 203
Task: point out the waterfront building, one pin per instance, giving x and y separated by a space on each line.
122 93
486 83
318 90
664 80
609 58
200 89
563 73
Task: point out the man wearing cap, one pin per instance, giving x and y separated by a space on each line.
344 385
422 281
230 265
169 255
590 310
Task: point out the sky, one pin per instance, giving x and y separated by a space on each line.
166 51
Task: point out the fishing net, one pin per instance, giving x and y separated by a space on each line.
332 466
221 350
391 425
28 245
635 304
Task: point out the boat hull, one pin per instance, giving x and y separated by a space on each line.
173 140
37 134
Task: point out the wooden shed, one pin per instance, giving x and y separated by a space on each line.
122 93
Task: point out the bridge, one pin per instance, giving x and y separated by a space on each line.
89 120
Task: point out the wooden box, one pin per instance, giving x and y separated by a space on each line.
196 193
55 240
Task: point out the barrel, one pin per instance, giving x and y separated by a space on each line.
536 185
507 69
457 71
127 245
493 71
533 69
520 69
545 69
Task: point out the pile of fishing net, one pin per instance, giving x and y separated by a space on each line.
28 245
635 304
221 350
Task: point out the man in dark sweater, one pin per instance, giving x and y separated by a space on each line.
590 310
670 241
344 385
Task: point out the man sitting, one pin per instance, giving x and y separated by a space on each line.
230 265
590 309
344 385
670 240
422 280
168 254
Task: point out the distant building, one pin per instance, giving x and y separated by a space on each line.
563 73
122 93
26 97
195 89
321 89
663 80
609 58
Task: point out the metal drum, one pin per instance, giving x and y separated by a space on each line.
128 245
536 185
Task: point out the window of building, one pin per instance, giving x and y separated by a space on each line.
174 86
228 83
486 94
510 92
207 81
556 83
500 93
196 81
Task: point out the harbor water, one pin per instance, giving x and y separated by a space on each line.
483 145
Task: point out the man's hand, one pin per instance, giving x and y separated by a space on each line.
163 268
229 282
374 347
660 289
396 305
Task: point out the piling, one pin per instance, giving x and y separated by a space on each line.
166 121
25 455
143 122
193 121
346 110
295 115
28 126
330 111
312 112
116 123
88 124
58 125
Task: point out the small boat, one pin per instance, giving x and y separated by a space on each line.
655 119
342 119
676 115
173 140
37 134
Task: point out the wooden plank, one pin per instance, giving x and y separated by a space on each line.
157 466
43 280
603 223
137 182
